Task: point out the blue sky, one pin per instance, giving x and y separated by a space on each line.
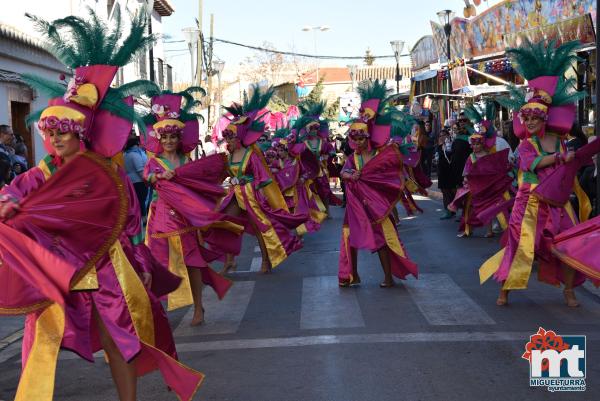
355 25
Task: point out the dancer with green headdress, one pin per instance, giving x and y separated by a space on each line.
542 119
82 208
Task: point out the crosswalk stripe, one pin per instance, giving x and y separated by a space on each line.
256 264
221 317
325 305
442 302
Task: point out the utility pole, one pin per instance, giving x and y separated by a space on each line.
199 63
209 69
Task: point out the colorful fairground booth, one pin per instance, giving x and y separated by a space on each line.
479 67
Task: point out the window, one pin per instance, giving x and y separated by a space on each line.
169 77
161 73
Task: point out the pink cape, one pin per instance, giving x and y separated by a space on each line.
556 188
57 217
578 247
373 195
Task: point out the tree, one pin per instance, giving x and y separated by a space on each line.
277 104
265 65
369 58
316 92
333 111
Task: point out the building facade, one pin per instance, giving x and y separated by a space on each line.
22 51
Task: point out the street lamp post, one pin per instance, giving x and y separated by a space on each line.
191 37
445 16
322 28
397 47
352 69
218 66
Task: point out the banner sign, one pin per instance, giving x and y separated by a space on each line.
494 29
424 53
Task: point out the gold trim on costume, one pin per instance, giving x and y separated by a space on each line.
38 376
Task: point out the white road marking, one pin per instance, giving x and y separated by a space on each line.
221 317
256 264
427 337
443 302
325 305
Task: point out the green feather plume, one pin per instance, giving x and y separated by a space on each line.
78 42
312 108
532 60
49 88
515 98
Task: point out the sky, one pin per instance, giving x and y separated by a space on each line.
355 25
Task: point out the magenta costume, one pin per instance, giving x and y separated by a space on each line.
253 189
367 221
487 192
266 213
532 226
114 290
91 221
195 191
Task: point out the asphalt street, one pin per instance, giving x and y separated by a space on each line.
293 335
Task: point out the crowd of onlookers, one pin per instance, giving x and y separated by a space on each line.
443 154
13 155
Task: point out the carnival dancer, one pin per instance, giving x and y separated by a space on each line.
461 149
174 240
313 132
401 131
254 195
542 122
295 175
486 186
81 207
374 180
485 193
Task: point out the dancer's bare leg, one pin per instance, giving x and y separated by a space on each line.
123 373
503 296
196 285
569 293
386 265
233 209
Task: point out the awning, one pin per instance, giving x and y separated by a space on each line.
441 95
424 75
483 89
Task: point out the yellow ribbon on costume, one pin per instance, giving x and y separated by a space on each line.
182 296
38 376
490 266
391 237
134 292
520 268
275 249
271 191
585 206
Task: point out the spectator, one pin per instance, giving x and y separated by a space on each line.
445 181
7 140
135 161
208 147
461 149
347 150
5 169
578 138
20 164
427 142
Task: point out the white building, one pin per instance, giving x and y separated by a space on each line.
22 51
